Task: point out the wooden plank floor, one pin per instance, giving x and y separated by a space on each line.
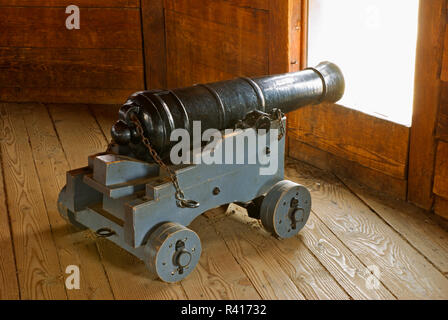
356 245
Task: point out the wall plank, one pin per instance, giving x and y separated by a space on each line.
153 27
236 38
70 68
349 134
45 28
230 14
426 102
444 73
228 49
42 61
279 36
344 168
441 170
233 41
257 4
442 123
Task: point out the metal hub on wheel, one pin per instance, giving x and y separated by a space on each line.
285 209
172 251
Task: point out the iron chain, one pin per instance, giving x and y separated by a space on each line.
277 114
180 197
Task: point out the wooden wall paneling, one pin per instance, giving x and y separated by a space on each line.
154 39
441 170
342 167
442 123
70 68
41 60
219 47
297 18
295 35
432 22
372 142
214 40
229 13
304 33
280 16
235 39
444 72
255 4
41 27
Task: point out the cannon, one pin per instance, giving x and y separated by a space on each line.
141 197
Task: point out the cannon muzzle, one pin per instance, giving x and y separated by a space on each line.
221 105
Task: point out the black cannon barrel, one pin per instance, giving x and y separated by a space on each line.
221 105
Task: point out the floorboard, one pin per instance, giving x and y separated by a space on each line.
422 230
9 288
268 255
38 267
260 265
402 269
106 115
217 275
74 247
343 264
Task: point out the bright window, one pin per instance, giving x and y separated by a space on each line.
374 43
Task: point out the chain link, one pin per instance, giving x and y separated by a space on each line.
180 197
277 114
